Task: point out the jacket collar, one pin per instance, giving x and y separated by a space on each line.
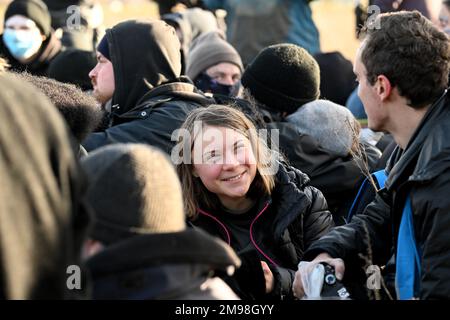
182 89
426 147
289 196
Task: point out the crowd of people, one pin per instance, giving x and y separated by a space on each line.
190 157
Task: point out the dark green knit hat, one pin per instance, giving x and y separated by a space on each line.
35 10
283 77
133 190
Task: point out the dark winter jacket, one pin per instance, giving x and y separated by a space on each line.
285 225
150 99
163 266
421 171
50 48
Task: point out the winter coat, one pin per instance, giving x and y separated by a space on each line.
50 48
163 266
150 100
285 225
421 171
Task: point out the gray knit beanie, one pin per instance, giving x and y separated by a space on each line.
333 126
283 77
208 50
133 190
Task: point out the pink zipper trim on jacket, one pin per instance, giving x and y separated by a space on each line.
220 223
251 231
253 241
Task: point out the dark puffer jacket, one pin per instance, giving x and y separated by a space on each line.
285 225
150 100
421 171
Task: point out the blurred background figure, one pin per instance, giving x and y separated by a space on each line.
189 25
214 65
78 22
28 42
42 211
337 79
253 25
170 6
444 16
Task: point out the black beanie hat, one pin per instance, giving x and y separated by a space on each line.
103 47
35 10
73 66
283 77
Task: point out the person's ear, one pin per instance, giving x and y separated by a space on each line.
383 87
194 173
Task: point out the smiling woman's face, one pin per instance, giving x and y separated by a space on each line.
228 164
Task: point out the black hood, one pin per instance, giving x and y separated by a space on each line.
144 54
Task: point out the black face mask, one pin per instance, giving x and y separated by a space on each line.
208 84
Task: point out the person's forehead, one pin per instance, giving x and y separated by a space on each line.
225 67
19 21
213 135
358 63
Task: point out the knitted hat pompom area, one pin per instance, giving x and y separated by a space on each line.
283 77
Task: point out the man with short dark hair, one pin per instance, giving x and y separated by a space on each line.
402 68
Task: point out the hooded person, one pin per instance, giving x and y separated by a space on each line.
214 65
42 210
143 86
293 82
139 246
28 42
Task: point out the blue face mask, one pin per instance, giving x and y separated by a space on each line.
208 84
21 44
